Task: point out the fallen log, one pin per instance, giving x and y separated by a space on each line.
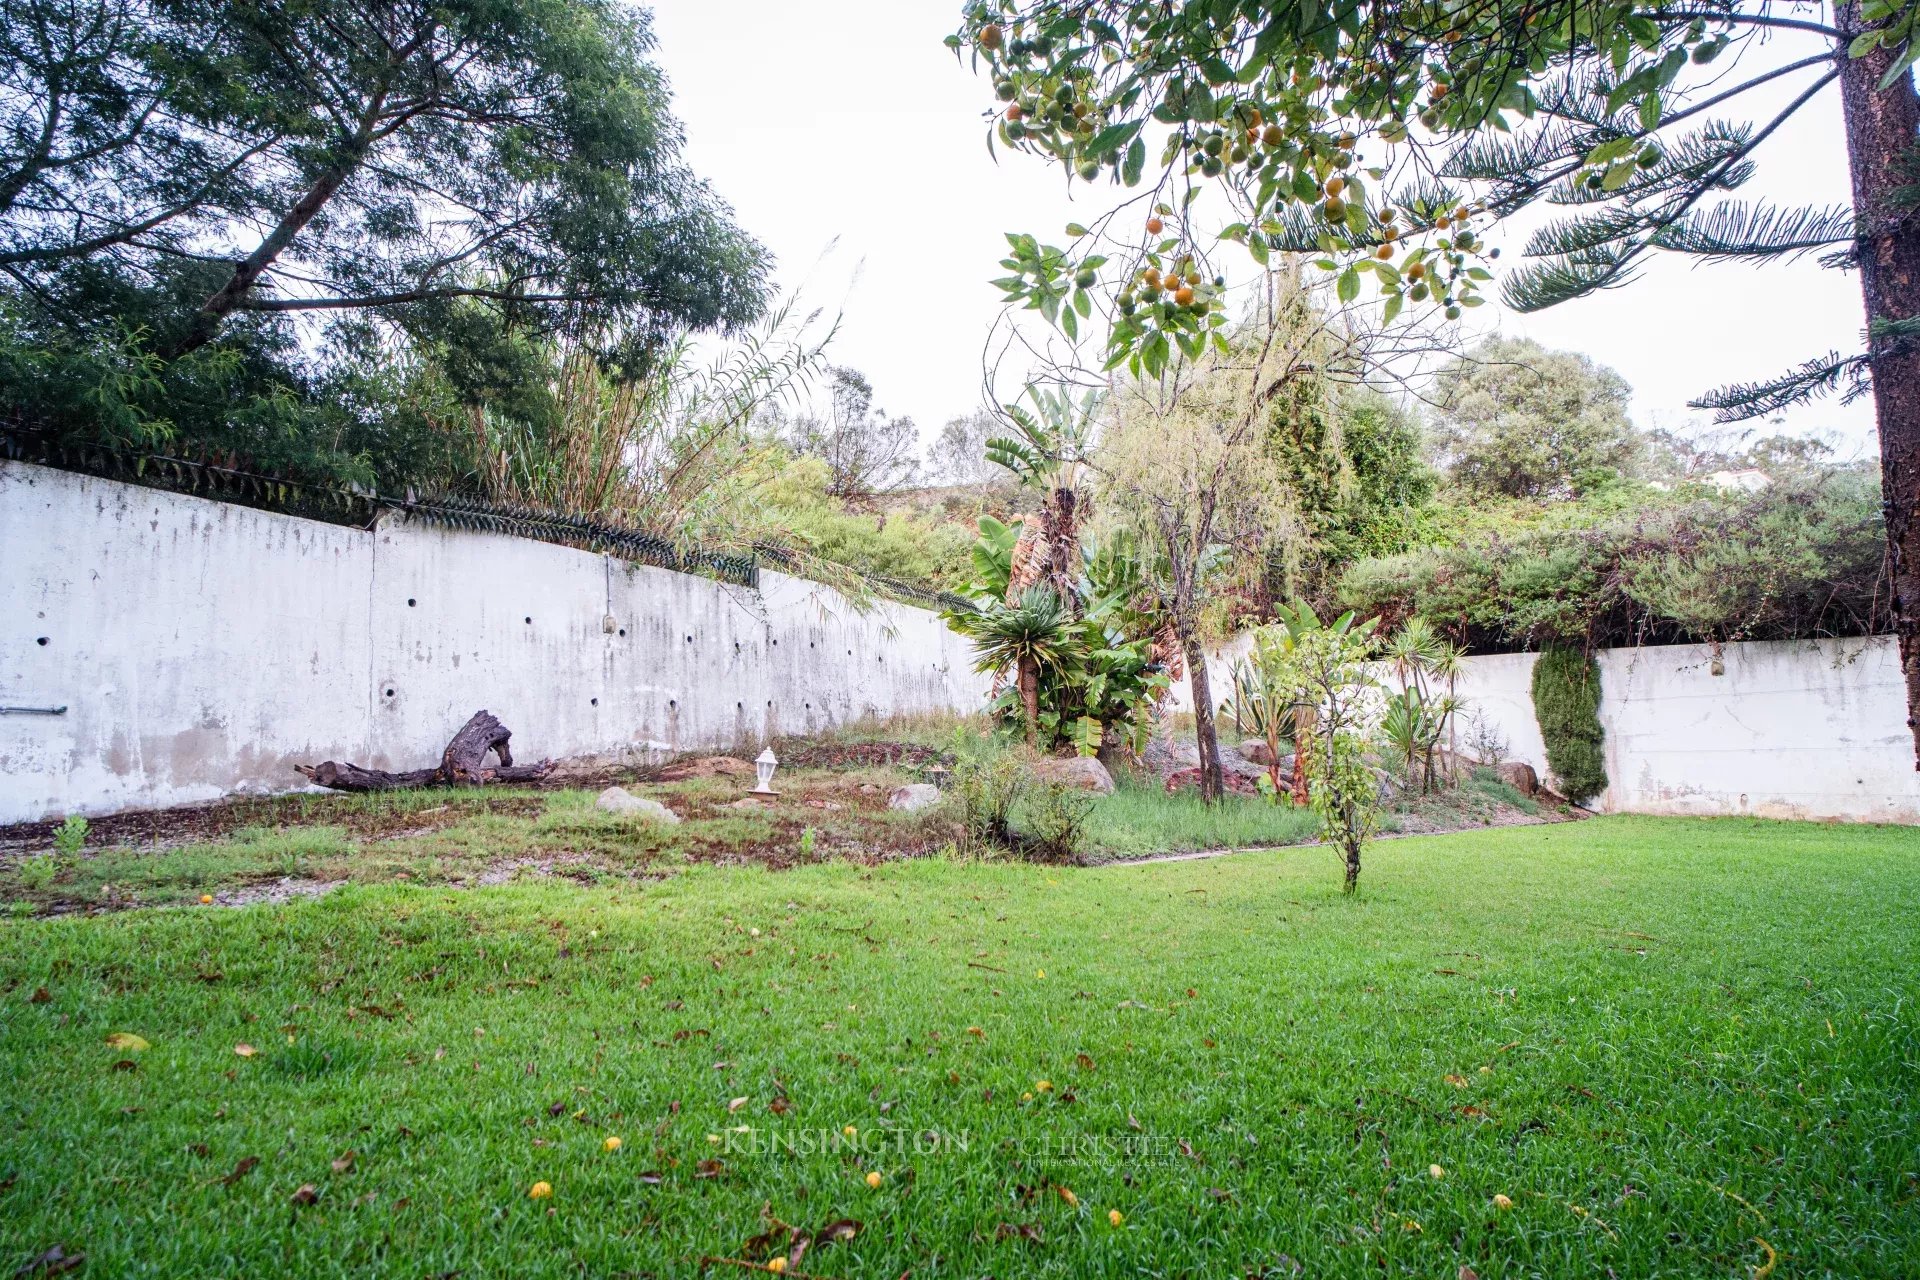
462 764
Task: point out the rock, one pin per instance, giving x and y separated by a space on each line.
744 802
1167 755
1182 779
1256 750
1233 763
620 800
1519 775
1083 773
914 797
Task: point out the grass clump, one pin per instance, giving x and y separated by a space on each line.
1141 819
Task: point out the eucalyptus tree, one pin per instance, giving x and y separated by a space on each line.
1388 135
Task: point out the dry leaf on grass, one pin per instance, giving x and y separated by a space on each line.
128 1041
52 1262
241 1170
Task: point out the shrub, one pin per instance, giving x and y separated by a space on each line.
1056 814
1802 557
987 783
70 835
1566 703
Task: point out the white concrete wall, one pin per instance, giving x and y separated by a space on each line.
204 649
1801 729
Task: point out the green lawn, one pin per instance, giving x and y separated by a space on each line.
1665 1041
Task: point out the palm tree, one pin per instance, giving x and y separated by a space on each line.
1029 637
1047 451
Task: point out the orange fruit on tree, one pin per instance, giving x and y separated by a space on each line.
1155 226
1183 296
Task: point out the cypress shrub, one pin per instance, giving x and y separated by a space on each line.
1566 703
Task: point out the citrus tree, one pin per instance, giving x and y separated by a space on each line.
1384 137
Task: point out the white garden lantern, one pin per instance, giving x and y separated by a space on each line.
764 767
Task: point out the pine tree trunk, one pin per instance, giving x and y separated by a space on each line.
1883 126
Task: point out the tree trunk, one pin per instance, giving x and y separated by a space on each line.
1353 869
1029 678
1883 126
1062 530
247 272
1302 755
1206 735
463 763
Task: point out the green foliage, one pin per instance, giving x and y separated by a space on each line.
1515 420
1325 670
1346 797
234 230
70 836
1144 818
1077 682
1418 717
1286 111
1566 703
988 781
795 507
1800 557
1055 817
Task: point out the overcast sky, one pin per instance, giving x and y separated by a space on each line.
851 142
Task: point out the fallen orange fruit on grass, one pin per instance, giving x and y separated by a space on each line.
777 1265
540 1191
1502 1202
873 1179
611 1144
1115 1217
205 898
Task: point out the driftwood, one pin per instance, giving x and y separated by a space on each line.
463 763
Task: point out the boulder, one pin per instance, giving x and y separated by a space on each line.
1167 755
914 797
620 800
1232 762
1519 775
1182 779
1255 750
1083 773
